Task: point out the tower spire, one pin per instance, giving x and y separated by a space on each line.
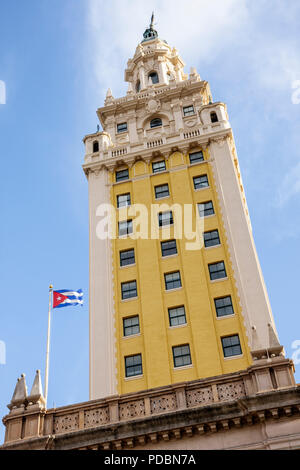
152 20
150 33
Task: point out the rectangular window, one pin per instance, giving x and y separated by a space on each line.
122 175
168 248
200 182
158 166
172 280
224 306
231 346
182 355
196 157
206 208
217 270
165 218
123 200
128 290
125 227
188 110
177 316
211 238
133 365
122 127
127 257
131 326
162 191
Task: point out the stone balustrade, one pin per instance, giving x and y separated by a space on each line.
27 420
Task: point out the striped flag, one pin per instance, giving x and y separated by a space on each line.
67 297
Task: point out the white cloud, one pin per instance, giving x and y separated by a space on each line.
290 186
2 92
198 29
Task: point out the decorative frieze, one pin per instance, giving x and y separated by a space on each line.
96 417
66 423
25 423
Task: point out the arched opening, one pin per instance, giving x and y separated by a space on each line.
138 86
154 77
95 146
157 122
214 117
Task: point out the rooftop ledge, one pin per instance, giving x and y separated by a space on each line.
165 143
266 390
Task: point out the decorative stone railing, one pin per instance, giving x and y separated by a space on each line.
149 144
26 420
154 143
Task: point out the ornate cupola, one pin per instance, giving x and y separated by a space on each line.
154 63
150 33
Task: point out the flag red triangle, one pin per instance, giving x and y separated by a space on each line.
58 298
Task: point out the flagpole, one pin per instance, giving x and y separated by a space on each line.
48 345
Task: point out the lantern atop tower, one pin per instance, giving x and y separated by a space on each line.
150 33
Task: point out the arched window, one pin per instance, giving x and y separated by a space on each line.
154 77
155 123
214 117
95 146
137 86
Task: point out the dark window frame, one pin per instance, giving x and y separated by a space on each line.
124 205
138 366
207 210
127 328
160 219
173 283
221 310
121 129
152 75
181 356
157 193
131 250
208 242
201 184
214 117
164 250
235 348
95 146
195 159
121 178
177 316
158 169
132 290
129 227
186 111
156 122
216 274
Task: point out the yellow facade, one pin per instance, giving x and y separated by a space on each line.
203 330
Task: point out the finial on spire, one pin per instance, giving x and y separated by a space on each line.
150 32
152 20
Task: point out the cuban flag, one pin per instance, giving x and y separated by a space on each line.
67 297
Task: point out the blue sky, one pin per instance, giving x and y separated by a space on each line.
57 59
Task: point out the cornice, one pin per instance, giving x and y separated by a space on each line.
166 149
162 92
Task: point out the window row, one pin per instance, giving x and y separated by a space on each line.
177 315
125 227
169 247
157 122
157 167
182 355
173 280
162 190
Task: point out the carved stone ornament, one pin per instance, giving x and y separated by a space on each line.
153 106
191 123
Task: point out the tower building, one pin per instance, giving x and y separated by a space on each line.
183 345
161 313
